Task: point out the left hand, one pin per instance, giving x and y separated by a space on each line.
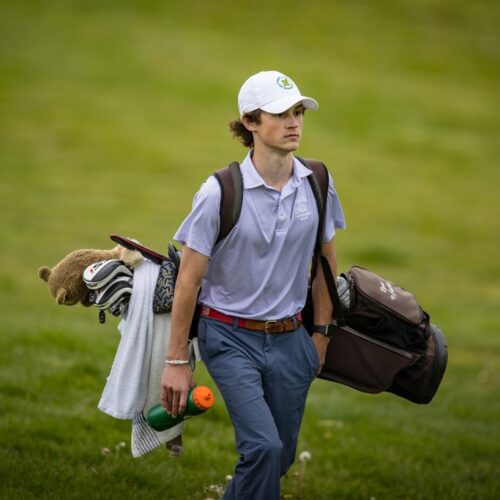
321 342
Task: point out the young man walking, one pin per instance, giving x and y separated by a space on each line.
253 287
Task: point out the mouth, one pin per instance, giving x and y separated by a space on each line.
292 136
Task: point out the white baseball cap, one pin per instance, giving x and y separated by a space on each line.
273 92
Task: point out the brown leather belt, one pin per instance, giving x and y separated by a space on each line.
272 326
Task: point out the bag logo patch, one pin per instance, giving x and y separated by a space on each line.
387 288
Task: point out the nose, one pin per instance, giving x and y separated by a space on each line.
292 122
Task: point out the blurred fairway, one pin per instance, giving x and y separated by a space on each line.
111 116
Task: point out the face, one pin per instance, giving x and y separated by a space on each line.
280 132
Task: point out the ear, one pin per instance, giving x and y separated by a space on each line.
61 296
250 125
44 273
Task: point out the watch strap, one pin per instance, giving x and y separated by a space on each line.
323 329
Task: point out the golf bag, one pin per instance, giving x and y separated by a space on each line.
383 341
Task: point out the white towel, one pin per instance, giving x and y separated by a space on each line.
145 438
127 386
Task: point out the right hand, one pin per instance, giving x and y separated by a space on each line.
175 384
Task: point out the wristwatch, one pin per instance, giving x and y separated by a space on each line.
323 329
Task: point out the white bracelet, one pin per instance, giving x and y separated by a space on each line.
176 362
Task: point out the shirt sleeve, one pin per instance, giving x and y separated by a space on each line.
334 215
200 228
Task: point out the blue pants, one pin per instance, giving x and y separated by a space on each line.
264 380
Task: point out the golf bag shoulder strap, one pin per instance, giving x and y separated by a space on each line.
231 186
319 186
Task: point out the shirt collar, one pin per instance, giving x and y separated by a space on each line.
252 178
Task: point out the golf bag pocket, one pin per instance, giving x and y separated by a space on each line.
363 362
384 311
418 383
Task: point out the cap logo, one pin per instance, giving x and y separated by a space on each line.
284 83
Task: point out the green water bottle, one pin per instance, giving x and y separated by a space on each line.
200 399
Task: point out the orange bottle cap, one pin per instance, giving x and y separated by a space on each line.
203 397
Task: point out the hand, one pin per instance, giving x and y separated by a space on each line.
175 384
321 342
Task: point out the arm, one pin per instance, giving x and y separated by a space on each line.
321 300
178 379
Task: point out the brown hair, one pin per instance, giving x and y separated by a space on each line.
240 132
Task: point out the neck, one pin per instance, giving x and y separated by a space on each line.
275 168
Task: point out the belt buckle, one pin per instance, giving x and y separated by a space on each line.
268 325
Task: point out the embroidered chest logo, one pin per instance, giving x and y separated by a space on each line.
387 289
302 209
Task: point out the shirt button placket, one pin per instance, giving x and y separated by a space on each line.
281 216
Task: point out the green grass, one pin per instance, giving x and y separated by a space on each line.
113 113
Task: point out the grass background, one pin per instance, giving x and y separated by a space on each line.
113 113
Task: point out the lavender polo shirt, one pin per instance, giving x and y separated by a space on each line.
260 270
